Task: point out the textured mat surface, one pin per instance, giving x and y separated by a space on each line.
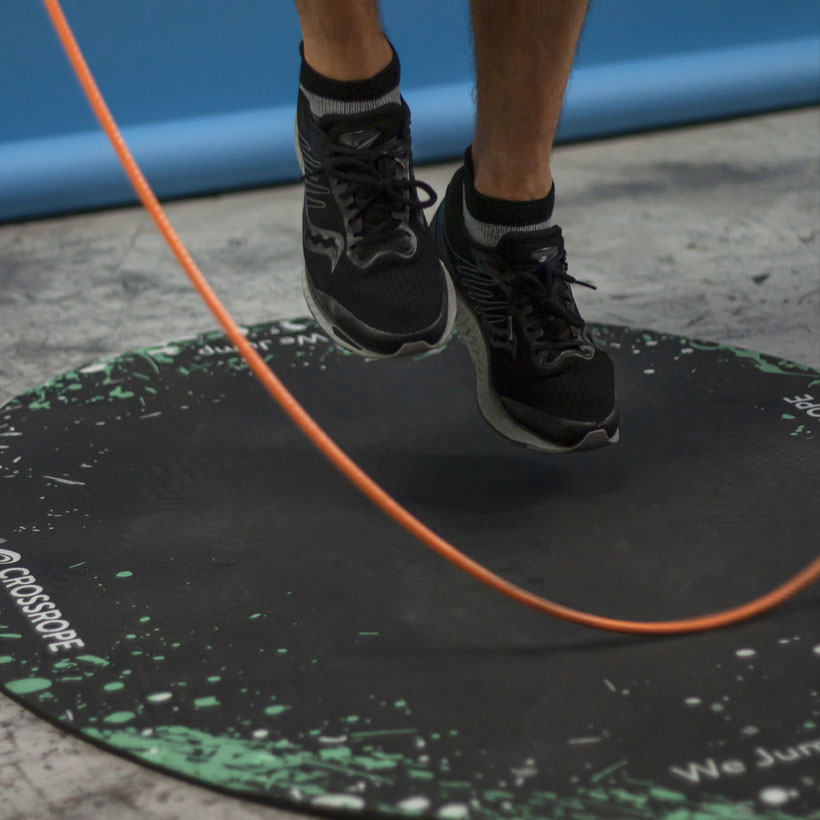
232 612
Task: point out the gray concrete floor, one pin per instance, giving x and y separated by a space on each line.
711 231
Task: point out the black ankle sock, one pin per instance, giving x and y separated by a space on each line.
503 211
353 90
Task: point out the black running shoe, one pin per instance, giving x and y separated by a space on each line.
541 380
372 278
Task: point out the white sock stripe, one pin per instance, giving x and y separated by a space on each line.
488 234
320 106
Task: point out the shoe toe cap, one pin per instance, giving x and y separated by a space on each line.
566 405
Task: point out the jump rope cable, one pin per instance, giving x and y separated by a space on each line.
332 451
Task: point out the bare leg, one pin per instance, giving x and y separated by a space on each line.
343 38
524 51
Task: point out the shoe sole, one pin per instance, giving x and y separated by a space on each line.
328 323
409 348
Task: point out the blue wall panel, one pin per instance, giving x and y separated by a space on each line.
206 89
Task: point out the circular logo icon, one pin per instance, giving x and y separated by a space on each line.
9 557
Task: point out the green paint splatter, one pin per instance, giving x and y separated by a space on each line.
666 795
114 687
608 771
273 711
206 703
93 659
6 659
119 717
282 767
28 686
125 574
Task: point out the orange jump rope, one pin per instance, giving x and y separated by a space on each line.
329 448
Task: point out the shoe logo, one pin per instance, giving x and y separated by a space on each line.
487 298
363 138
545 255
323 241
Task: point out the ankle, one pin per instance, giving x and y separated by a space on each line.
489 218
349 59
508 175
519 184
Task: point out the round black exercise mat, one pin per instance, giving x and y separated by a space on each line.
231 611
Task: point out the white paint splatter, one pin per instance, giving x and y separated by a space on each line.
749 730
745 653
816 649
774 796
692 701
160 697
610 685
332 741
260 734
578 741
293 327
65 480
413 804
453 811
649 371
338 801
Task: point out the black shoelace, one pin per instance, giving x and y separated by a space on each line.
539 297
376 187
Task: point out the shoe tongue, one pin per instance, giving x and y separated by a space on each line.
362 138
525 247
366 129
